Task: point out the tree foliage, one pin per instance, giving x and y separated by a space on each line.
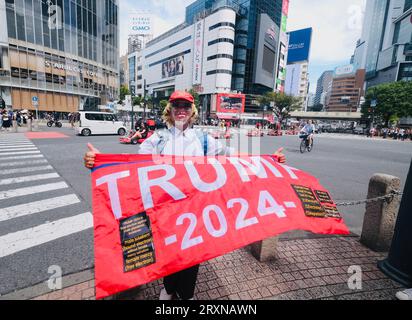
163 104
124 91
394 100
195 95
283 104
137 101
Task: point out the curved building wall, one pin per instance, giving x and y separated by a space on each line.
206 46
65 52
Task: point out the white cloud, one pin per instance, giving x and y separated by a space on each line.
337 25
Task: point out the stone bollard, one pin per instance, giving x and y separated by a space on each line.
265 250
380 216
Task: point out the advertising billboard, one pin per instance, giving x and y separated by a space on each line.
344 71
230 103
198 53
173 67
267 52
140 23
299 45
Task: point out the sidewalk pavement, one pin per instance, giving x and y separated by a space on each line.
306 269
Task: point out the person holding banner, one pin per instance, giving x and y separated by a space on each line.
180 140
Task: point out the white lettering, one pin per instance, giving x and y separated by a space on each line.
256 168
216 233
162 182
111 181
273 208
355 281
241 222
290 170
55 281
199 184
187 241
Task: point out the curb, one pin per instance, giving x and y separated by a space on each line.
42 288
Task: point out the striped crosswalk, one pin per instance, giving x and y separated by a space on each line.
30 188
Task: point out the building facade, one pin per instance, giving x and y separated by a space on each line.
385 47
61 54
346 90
222 47
297 69
297 81
322 87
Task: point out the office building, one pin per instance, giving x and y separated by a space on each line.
346 90
322 87
297 75
223 47
385 49
59 55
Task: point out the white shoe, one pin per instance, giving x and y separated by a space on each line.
165 296
404 295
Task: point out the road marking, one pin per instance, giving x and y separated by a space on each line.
18 153
20 144
25 170
18 149
37 207
33 237
21 157
22 163
32 190
36 177
11 143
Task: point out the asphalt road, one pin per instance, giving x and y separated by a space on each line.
343 164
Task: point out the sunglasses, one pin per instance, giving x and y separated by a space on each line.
182 104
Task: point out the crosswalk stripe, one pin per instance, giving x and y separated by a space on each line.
37 207
37 177
22 163
32 190
14 142
18 153
33 237
17 149
24 170
4 145
21 157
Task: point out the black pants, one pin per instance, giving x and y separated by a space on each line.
183 283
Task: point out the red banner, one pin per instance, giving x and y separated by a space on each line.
156 216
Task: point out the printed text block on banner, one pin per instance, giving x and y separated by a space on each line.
156 216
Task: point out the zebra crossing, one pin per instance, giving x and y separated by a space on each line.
37 208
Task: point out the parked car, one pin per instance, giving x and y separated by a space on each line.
92 122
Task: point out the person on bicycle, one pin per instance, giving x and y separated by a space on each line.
309 130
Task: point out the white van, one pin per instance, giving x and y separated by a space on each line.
92 122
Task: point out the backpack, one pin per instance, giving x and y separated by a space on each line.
164 138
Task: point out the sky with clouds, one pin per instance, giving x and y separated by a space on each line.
337 25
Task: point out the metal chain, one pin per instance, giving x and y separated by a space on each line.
387 198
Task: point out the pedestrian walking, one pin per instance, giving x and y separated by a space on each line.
179 140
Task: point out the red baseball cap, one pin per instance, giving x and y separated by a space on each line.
181 95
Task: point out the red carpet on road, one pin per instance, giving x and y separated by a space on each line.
45 135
